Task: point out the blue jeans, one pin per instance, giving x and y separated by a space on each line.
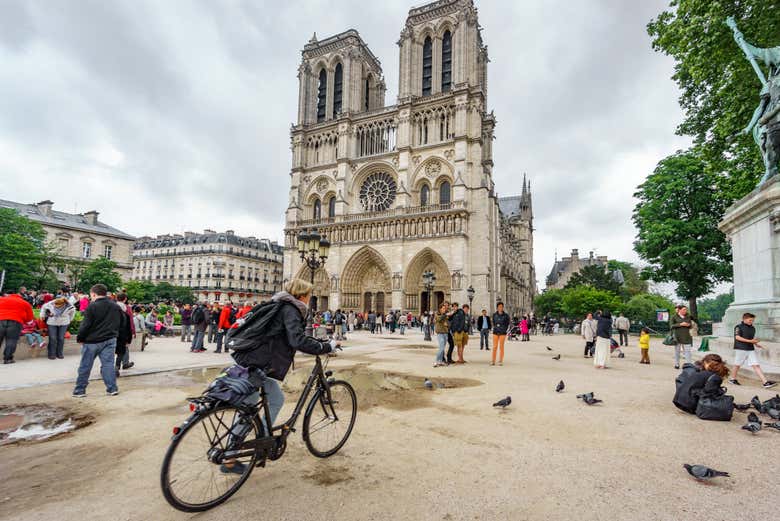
442 338
56 341
34 338
197 340
105 351
275 397
484 334
402 327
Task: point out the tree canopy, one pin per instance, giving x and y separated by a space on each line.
596 277
100 271
146 292
677 221
22 250
719 88
578 302
643 307
714 308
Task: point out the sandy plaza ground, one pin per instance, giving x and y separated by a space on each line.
441 454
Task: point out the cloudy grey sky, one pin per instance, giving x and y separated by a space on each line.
175 115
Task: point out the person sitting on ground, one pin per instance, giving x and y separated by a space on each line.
704 377
276 355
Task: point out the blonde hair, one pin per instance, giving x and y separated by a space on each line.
298 288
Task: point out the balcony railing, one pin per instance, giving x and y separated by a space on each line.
394 212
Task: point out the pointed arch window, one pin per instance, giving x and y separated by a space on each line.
322 94
332 207
427 72
444 193
338 88
317 214
367 94
424 195
446 62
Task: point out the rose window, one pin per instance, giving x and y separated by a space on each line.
378 192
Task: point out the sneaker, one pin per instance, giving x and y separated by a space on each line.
79 395
732 381
236 468
11 361
768 384
128 366
676 366
112 393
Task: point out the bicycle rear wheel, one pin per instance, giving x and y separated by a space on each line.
328 423
192 476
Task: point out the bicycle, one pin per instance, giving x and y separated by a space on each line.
217 433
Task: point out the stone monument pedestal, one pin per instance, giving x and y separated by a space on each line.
753 227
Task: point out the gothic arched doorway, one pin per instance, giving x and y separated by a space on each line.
416 296
365 282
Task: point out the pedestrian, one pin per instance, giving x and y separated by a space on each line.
200 322
681 329
14 312
603 340
83 303
524 329
223 325
57 314
124 335
33 336
745 344
213 322
338 324
483 326
371 321
623 325
459 325
97 334
442 330
588 331
151 321
644 345
168 322
500 329
402 322
122 300
186 323
140 326
456 319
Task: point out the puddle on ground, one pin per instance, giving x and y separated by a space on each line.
37 422
419 346
328 475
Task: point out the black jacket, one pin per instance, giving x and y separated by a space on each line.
604 326
458 321
500 323
102 320
479 322
691 384
203 317
276 354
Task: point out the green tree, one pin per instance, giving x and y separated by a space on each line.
718 85
714 308
633 283
677 222
549 303
100 271
596 277
578 302
140 291
21 249
642 307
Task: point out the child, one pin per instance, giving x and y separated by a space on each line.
745 345
644 344
34 338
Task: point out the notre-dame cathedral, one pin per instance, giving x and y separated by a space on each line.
401 189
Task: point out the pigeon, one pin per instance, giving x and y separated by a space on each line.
589 398
560 387
557 357
702 473
742 406
757 405
428 384
548 348
503 403
753 425
773 413
775 425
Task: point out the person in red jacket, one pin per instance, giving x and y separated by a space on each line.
223 325
14 312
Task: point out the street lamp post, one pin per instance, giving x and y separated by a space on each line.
313 249
429 280
470 293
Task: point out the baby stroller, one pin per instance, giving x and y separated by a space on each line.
514 333
614 346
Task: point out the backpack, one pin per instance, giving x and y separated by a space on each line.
197 316
255 327
233 313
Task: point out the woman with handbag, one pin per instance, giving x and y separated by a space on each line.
697 380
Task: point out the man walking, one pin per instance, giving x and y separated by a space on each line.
402 322
97 334
213 322
223 325
14 312
681 328
588 331
745 344
186 323
200 321
457 322
623 325
483 326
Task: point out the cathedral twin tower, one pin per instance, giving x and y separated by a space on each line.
407 188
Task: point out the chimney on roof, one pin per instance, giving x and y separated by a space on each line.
189 234
209 232
91 217
45 207
590 255
230 232
575 253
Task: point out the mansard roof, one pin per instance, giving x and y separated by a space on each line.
55 218
208 237
510 206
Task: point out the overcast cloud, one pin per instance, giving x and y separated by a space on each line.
173 116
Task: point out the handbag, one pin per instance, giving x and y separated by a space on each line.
670 340
714 407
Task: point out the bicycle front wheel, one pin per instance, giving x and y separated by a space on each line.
328 422
194 476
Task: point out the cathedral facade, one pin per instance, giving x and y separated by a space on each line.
407 188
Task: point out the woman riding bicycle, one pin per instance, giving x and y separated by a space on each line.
276 356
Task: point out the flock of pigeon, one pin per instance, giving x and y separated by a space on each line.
769 407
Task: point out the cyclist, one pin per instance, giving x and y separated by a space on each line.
276 354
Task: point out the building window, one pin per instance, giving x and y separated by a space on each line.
424 195
86 250
427 75
317 209
446 62
332 207
322 94
108 250
63 245
366 94
444 193
338 85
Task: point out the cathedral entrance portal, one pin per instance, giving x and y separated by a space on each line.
365 282
416 295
